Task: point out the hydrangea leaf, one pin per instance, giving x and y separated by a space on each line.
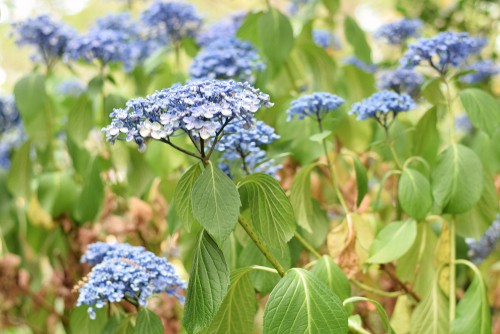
300 197
182 195
80 322
276 36
380 310
482 109
20 173
393 241
356 37
330 273
148 323
414 193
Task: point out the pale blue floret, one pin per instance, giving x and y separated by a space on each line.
482 71
326 39
224 28
316 105
11 129
368 68
480 249
398 32
71 87
401 81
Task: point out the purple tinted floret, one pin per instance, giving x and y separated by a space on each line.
398 32
483 70
400 80
316 105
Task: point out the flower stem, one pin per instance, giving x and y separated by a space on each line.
390 143
450 110
306 245
453 297
389 294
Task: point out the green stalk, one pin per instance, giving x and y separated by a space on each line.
453 297
306 245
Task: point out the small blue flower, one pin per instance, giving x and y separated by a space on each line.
224 28
227 58
11 129
326 39
50 38
463 123
315 105
121 271
483 70
179 19
479 250
401 81
72 87
383 106
398 32
368 68
442 51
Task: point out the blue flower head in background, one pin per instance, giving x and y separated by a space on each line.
200 109
49 37
401 81
358 63
11 129
245 147
121 271
445 50
480 249
326 39
482 71
383 106
224 28
228 58
398 32
71 87
315 105
180 20
463 123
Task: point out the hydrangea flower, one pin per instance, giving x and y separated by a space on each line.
381 105
356 62
463 123
199 109
398 32
400 80
442 51
479 250
325 39
11 129
244 146
316 105
296 4
228 58
71 87
50 38
224 28
121 271
483 70
180 20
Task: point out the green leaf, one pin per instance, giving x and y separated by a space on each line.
80 322
300 197
361 179
118 325
80 120
271 211
426 146
431 314
319 137
482 109
457 180
57 192
276 36
216 202
208 283
330 273
249 27
393 241
237 313
431 90
380 310
356 38
414 193
182 195
148 322
301 303
331 5
19 178
92 195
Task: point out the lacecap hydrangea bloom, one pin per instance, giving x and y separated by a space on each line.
227 58
398 32
482 71
383 106
326 39
122 271
480 249
181 20
11 129
199 108
224 28
358 63
71 87
315 105
49 37
442 51
401 81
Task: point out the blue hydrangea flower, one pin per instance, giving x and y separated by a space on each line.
11 129
483 70
295 6
50 38
245 146
199 109
368 68
398 32
227 58
442 51
224 28
400 80
326 39
179 19
316 105
383 106
479 250
463 123
121 271
71 87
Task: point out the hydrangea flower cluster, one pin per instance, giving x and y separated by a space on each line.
71 87
121 271
181 20
228 58
398 32
401 80
442 51
381 105
199 108
325 39
483 70
479 250
224 28
50 38
316 105
11 129
244 145
356 62
463 123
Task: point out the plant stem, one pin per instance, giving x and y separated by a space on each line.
390 143
290 76
453 297
264 250
306 245
450 110
355 328
389 294
177 51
